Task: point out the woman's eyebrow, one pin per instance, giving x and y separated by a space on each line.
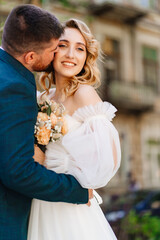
81 44
65 40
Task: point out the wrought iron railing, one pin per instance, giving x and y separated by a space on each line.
132 95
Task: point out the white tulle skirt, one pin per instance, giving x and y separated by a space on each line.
64 221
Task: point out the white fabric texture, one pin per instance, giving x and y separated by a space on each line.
86 152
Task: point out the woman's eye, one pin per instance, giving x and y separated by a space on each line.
62 45
80 49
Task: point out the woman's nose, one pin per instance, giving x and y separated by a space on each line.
70 53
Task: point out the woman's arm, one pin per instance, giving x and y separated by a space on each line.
95 146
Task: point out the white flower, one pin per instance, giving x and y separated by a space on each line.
58 128
56 136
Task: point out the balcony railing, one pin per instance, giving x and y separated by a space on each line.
125 11
131 96
147 4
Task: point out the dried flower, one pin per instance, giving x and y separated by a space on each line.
43 135
53 119
42 116
64 129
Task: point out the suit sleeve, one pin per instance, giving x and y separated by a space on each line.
18 171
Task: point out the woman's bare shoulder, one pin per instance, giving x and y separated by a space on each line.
86 95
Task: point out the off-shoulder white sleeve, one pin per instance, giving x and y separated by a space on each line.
94 146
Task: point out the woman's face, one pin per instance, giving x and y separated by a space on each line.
71 55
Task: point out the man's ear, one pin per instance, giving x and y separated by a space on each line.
30 58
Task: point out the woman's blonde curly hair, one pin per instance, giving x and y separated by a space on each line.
90 73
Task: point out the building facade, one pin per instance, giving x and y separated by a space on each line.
129 32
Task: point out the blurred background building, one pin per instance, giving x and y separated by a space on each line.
129 33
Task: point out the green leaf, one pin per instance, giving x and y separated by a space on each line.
49 111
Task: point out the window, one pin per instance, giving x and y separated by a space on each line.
152 162
111 49
150 66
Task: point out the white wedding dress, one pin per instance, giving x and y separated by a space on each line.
86 152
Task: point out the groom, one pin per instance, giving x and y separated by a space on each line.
29 41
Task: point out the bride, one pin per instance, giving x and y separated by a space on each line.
90 151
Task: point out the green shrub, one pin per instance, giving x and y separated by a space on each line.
144 227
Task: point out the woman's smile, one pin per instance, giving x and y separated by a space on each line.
68 64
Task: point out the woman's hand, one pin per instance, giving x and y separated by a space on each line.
90 194
39 156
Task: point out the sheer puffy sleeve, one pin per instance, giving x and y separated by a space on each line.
94 146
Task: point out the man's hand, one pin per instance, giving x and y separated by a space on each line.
90 192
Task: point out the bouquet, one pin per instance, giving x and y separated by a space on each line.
51 124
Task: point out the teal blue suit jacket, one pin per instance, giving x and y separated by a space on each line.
22 179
